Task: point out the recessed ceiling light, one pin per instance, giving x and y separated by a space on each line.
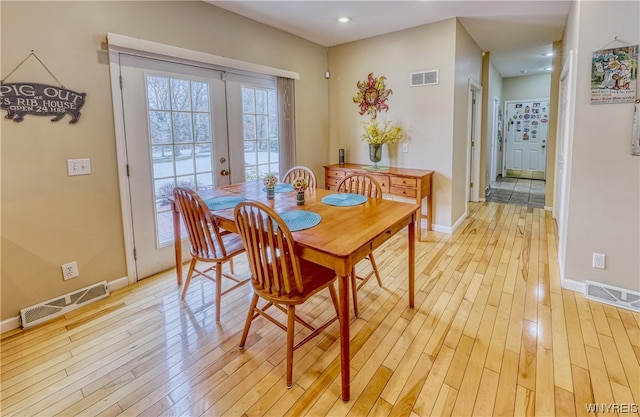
524 71
548 68
344 19
549 54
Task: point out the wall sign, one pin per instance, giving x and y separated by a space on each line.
614 74
19 99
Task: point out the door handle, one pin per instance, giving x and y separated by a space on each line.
224 172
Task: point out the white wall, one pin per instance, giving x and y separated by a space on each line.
604 198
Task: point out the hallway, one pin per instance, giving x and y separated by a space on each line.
519 191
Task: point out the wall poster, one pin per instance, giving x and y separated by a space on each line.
635 140
614 74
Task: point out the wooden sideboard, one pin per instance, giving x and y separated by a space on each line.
403 182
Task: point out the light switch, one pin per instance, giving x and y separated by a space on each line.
79 166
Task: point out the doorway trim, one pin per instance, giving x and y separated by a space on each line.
564 149
123 44
495 143
474 129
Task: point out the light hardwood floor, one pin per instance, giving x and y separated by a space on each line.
492 333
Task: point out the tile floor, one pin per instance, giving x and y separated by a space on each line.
521 191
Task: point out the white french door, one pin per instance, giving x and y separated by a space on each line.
176 135
193 126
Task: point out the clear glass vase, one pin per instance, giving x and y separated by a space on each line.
375 153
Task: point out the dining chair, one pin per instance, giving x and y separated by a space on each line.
208 244
300 171
278 275
367 186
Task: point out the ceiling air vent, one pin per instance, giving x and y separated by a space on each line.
418 79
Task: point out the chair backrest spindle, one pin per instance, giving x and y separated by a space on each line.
270 249
202 227
300 171
362 184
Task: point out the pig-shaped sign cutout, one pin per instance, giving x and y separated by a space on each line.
19 99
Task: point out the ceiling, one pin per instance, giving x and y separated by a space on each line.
517 32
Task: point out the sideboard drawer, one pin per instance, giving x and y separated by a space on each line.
405 192
404 182
331 182
336 173
383 180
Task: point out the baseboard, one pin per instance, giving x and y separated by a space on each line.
116 284
450 230
15 322
10 324
569 284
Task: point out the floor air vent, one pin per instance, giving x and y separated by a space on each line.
58 306
608 294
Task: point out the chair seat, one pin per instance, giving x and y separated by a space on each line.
314 278
232 244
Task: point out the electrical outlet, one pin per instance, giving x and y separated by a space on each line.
405 147
599 261
70 270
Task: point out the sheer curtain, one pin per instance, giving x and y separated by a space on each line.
286 122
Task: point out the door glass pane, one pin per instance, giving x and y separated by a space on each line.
181 142
260 132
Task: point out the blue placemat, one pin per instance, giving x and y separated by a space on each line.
281 188
221 203
344 199
300 219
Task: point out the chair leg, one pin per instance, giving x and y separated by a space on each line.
231 266
218 289
354 291
291 322
192 266
375 268
247 324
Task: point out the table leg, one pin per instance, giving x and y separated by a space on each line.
419 224
429 213
343 295
412 260
177 241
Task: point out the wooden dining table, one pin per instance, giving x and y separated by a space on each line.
344 236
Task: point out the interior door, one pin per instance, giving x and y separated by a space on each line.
527 132
176 134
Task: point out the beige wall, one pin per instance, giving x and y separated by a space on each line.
426 113
492 89
468 67
526 87
48 218
604 196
